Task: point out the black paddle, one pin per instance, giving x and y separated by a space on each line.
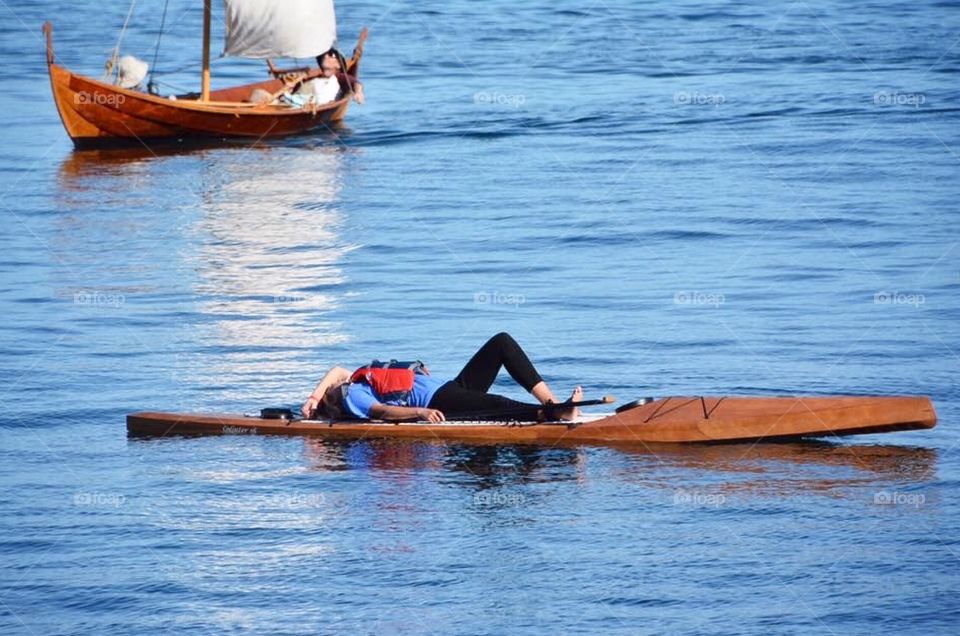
552 407
606 399
549 409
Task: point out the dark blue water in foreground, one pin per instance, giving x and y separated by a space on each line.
659 199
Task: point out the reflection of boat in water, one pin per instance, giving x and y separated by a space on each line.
97 113
810 467
81 164
768 469
81 167
95 170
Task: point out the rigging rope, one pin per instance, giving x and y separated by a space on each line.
112 62
151 86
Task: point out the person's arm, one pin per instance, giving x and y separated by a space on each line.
291 82
352 84
333 377
401 413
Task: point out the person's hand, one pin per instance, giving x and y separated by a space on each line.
358 94
431 415
309 407
292 79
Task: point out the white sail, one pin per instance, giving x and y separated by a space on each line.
279 28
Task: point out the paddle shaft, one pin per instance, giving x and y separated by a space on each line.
549 409
604 400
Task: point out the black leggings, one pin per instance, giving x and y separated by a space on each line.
466 396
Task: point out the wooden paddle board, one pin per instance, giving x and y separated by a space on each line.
688 419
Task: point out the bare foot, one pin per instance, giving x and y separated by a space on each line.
571 413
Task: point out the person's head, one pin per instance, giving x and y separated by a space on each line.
331 62
331 406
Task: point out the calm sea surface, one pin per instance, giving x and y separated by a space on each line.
655 199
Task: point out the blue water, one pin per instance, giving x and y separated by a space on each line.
654 199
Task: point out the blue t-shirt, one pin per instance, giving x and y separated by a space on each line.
360 397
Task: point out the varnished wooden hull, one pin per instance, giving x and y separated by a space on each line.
95 113
666 420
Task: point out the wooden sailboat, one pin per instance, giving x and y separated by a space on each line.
97 113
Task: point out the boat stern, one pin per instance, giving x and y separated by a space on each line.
926 411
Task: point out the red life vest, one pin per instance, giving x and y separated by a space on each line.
390 381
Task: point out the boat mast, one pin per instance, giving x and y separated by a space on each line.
205 74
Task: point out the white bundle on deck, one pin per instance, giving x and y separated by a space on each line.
279 28
131 71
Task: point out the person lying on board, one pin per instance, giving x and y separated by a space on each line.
373 392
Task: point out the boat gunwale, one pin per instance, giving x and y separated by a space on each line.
191 104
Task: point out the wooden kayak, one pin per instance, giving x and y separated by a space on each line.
666 420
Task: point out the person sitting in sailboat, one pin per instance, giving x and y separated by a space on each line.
332 83
326 84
